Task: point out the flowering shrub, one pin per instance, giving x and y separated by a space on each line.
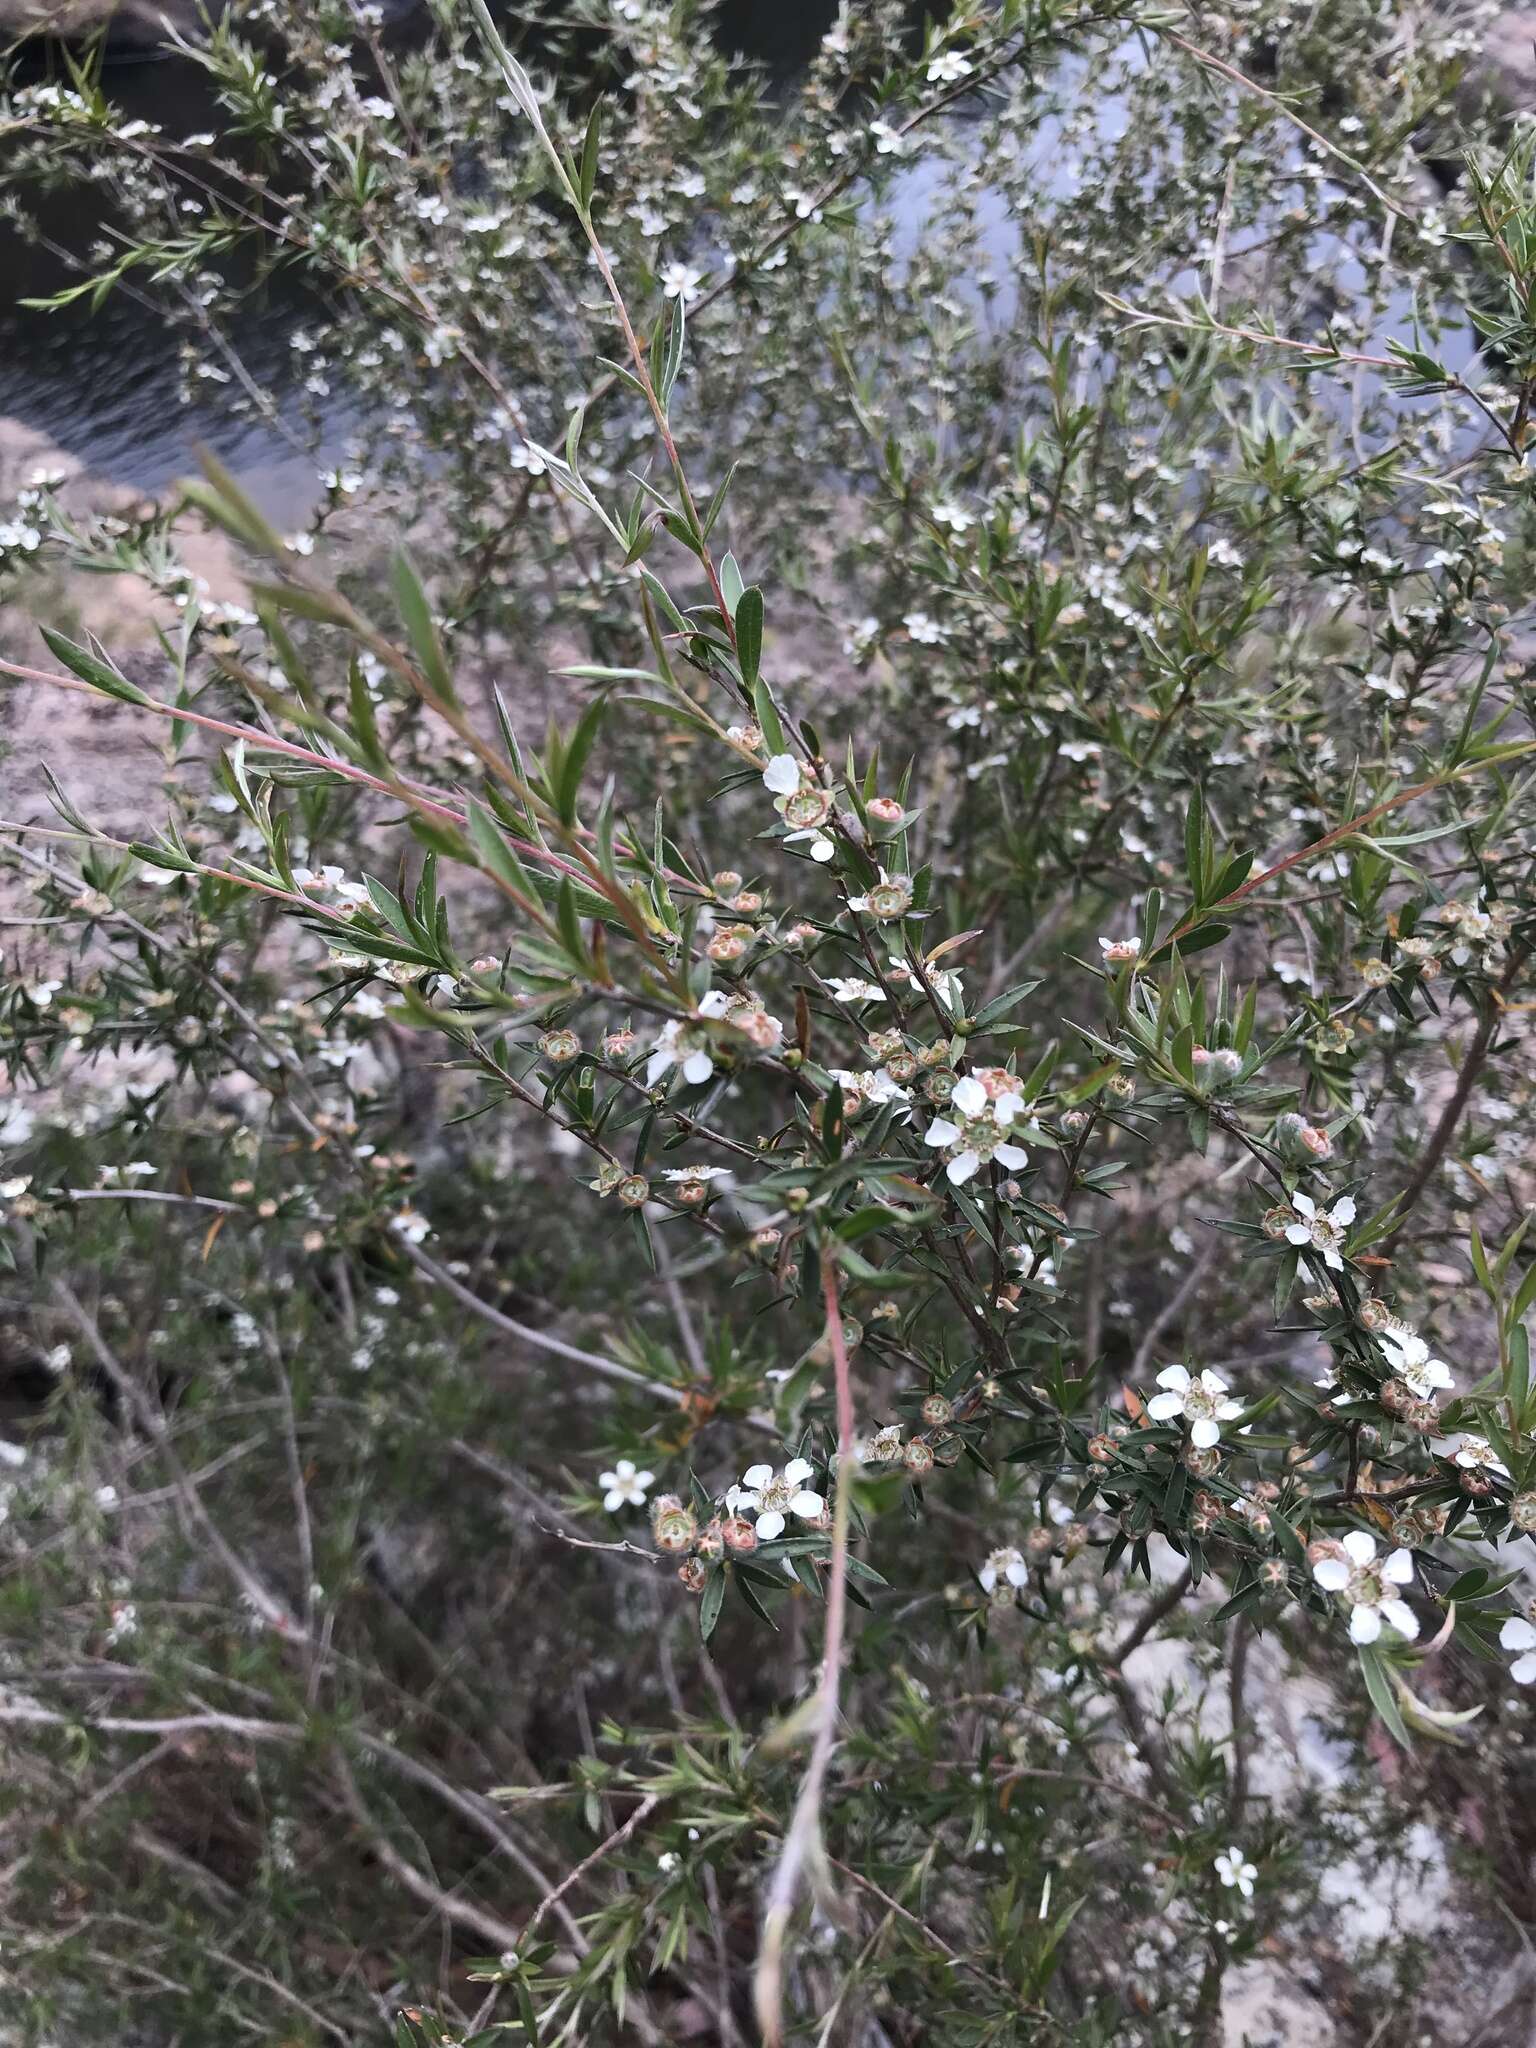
769 1365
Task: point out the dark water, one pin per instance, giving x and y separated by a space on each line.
105 386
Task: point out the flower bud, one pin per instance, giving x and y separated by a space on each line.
1373 1314
918 1458
711 1539
1121 1086
560 1046
1476 1485
1073 1121
729 945
738 1533
1201 1460
936 1409
940 1084
1040 1541
748 902
726 882
1103 1450
884 810
1272 1572
692 1574
901 1067
765 1243
634 1190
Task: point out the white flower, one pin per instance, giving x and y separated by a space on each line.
624 1487
681 1045
1518 1634
927 632
782 775
1475 1452
412 1226
821 847
948 68
955 517
681 281
1232 1870
41 993
886 140
690 1173
852 990
1200 1401
1409 1360
1003 1564
1322 1233
979 1136
771 1494
1367 1585
1117 952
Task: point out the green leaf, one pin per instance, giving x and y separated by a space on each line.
421 628
749 638
1379 1685
99 674
569 785
710 1602
495 854
768 720
587 181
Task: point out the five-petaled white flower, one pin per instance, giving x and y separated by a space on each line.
1003 1564
1518 1634
980 1135
680 1045
1200 1400
624 1487
1367 1586
1322 1233
852 990
771 1495
1475 1453
948 68
1409 1359
681 281
782 775
1233 1870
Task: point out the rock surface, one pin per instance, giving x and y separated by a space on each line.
1511 56
130 25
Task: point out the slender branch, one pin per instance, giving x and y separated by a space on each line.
614 1841
803 1844
1466 1080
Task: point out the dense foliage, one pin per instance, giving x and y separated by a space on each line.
736 1172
